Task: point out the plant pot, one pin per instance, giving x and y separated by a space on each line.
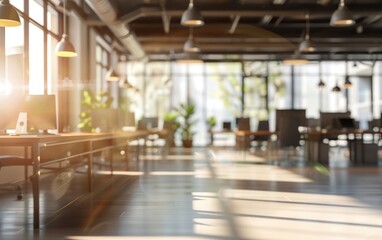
187 143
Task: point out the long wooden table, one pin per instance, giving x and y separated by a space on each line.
246 134
48 149
354 135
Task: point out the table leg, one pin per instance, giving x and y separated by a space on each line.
90 167
36 185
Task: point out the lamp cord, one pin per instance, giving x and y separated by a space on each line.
307 36
64 2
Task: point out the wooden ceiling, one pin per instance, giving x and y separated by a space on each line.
254 29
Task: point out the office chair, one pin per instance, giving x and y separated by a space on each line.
263 125
288 122
9 160
243 124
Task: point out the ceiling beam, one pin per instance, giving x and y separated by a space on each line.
252 10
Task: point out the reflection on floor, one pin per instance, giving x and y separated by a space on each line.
202 194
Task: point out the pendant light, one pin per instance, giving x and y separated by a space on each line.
321 83
307 44
124 83
192 17
342 17
336 88
190 58
64 47
122 68
111 75
347 83
190 45
8 15
296 59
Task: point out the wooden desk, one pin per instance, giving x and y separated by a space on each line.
214 132
246 134
47 149
356 135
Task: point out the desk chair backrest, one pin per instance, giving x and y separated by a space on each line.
227 126
327 118
375 123
152 122
287 123
263 125
243 124
141 124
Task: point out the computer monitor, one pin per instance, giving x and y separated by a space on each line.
106 119
297 116
126 119
152 122
10 107
142 124
130 119
326 118
41 112
243 123
227 126
346 123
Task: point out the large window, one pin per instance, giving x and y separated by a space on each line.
31 66
217 90
36 60
102 66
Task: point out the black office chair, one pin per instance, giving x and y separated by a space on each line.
374 123
263 125
9 160
289 139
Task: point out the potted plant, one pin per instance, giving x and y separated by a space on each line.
211 122
171 125
186 112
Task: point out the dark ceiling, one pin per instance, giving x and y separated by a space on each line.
254 29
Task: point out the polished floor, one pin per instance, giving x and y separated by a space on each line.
203 193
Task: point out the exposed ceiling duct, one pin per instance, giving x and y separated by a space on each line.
108 15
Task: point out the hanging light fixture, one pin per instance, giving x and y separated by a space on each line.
111 75
347 83
296 59
192 17
190 45
321 83
190 58
8 15
64 47
122 69
124 83
336 88
342 17
307 44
